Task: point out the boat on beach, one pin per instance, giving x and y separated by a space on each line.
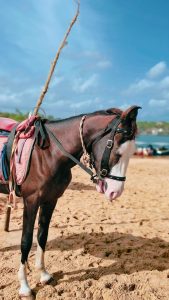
152 145
162 151
152 151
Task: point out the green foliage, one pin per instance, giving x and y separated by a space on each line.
19 116
147 127
16 116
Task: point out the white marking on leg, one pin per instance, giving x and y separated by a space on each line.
40 265
24 287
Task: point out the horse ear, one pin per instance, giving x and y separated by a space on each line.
130 113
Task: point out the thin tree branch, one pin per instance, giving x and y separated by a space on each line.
63 43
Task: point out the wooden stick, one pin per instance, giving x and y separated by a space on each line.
63 43
7 218
44 91
11 199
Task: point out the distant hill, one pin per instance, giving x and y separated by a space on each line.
159 128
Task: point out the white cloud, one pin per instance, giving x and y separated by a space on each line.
85 103
166 95
91 54
152 88
124 106
140 86
4 98
12 98
97 100
164 83
157 70
158 103
56 81
104 64
81 86
57 103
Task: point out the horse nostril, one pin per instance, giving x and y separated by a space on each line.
113 195
105 185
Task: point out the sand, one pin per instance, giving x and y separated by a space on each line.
98 250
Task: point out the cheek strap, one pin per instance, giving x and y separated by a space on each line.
104 166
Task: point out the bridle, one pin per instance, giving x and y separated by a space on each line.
113 129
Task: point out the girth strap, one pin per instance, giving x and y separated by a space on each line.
9 146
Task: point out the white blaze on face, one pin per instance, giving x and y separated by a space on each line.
114 188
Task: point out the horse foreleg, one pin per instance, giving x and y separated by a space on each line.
29 215
45 214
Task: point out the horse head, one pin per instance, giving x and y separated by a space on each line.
111 150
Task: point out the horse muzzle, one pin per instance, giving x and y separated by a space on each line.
110 187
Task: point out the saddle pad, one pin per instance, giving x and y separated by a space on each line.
7 124
22 158
3 140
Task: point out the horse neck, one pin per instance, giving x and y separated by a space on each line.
93 125
68 131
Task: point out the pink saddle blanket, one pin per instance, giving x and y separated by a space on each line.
22 158
24 145
7 124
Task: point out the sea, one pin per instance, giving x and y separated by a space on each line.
157 141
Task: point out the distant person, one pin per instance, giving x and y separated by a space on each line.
151 150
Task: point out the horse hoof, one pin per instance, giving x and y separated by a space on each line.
23 297
46 278
45 282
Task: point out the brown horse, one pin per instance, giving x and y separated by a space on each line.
108 137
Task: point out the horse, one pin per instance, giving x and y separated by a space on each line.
108 140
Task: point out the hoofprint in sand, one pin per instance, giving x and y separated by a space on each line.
98 250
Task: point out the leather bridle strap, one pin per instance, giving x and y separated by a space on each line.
118 178
104 132
74 159
104 167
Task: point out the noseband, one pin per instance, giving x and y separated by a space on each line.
113 129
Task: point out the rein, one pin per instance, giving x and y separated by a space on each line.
76 161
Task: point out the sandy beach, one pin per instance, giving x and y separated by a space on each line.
99 250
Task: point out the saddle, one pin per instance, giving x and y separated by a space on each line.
17 142
6 124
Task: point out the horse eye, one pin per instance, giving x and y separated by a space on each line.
118 155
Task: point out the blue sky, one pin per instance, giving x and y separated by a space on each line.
117 55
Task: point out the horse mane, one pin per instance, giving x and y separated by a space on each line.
110 111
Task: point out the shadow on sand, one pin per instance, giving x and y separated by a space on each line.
128 253
79 186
